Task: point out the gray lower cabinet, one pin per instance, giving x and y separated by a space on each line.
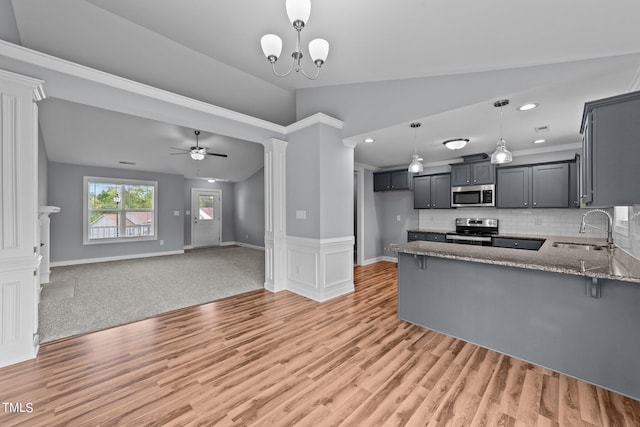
432 191
538 316
412 236
610 151
535 186
392 180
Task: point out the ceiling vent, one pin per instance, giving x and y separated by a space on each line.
542 129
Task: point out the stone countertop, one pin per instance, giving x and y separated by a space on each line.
607 263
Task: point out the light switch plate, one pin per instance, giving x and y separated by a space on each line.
301 214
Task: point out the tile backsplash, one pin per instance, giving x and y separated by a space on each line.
628 238
554 222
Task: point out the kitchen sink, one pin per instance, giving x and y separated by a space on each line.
581 246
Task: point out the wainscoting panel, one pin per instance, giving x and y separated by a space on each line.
320 269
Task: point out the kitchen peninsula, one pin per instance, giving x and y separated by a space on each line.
571 306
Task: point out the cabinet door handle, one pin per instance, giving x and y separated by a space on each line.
525 203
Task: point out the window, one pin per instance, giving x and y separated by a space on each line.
621 220
117 210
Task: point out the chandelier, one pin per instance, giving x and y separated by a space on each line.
298 12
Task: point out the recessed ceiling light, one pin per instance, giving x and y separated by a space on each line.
539 141
527 107
455 144
369 140
211 180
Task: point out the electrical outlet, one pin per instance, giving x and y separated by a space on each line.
246 236
161 242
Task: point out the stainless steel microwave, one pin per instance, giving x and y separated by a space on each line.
473 195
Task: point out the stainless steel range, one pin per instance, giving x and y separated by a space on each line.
473 231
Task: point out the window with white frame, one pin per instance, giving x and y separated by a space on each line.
119 210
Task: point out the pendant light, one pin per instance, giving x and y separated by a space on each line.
501 155
415 166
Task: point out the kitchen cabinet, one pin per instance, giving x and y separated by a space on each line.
536 186
432 191
517 243
426 236
477 173
610 151
392 180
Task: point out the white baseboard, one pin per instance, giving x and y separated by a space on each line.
372 260
112 258
389 258
250 246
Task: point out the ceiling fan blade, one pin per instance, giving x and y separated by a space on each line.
217 154
173 154
181 149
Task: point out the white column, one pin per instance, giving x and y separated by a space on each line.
45 240
19 254
275 242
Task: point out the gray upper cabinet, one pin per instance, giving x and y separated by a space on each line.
392 180
472 174
512 189
550 186
535 186
432 191
610 151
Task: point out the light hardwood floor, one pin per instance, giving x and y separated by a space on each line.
280 359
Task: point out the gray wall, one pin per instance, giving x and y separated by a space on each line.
228 207
394 204
249 210
66 191
8 27
372 212
43 171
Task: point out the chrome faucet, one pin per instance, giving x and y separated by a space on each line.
583 225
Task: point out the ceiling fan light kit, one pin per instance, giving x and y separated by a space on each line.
197 152
298 12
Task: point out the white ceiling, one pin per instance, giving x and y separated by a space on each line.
210 51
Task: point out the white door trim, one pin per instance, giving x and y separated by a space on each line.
218 193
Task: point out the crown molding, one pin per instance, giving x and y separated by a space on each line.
318 118
68 68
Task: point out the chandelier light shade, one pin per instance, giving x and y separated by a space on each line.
501 155
456 144
271 46
298 12
318 50
416 165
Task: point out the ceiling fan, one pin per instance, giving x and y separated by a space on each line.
197 152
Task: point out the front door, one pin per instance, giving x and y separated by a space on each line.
206 218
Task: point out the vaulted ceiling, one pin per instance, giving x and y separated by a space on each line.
210 51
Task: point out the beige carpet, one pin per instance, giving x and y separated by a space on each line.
89 297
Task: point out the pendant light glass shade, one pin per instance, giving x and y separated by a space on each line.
501 155
318 50
271 46
298 10
415 166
